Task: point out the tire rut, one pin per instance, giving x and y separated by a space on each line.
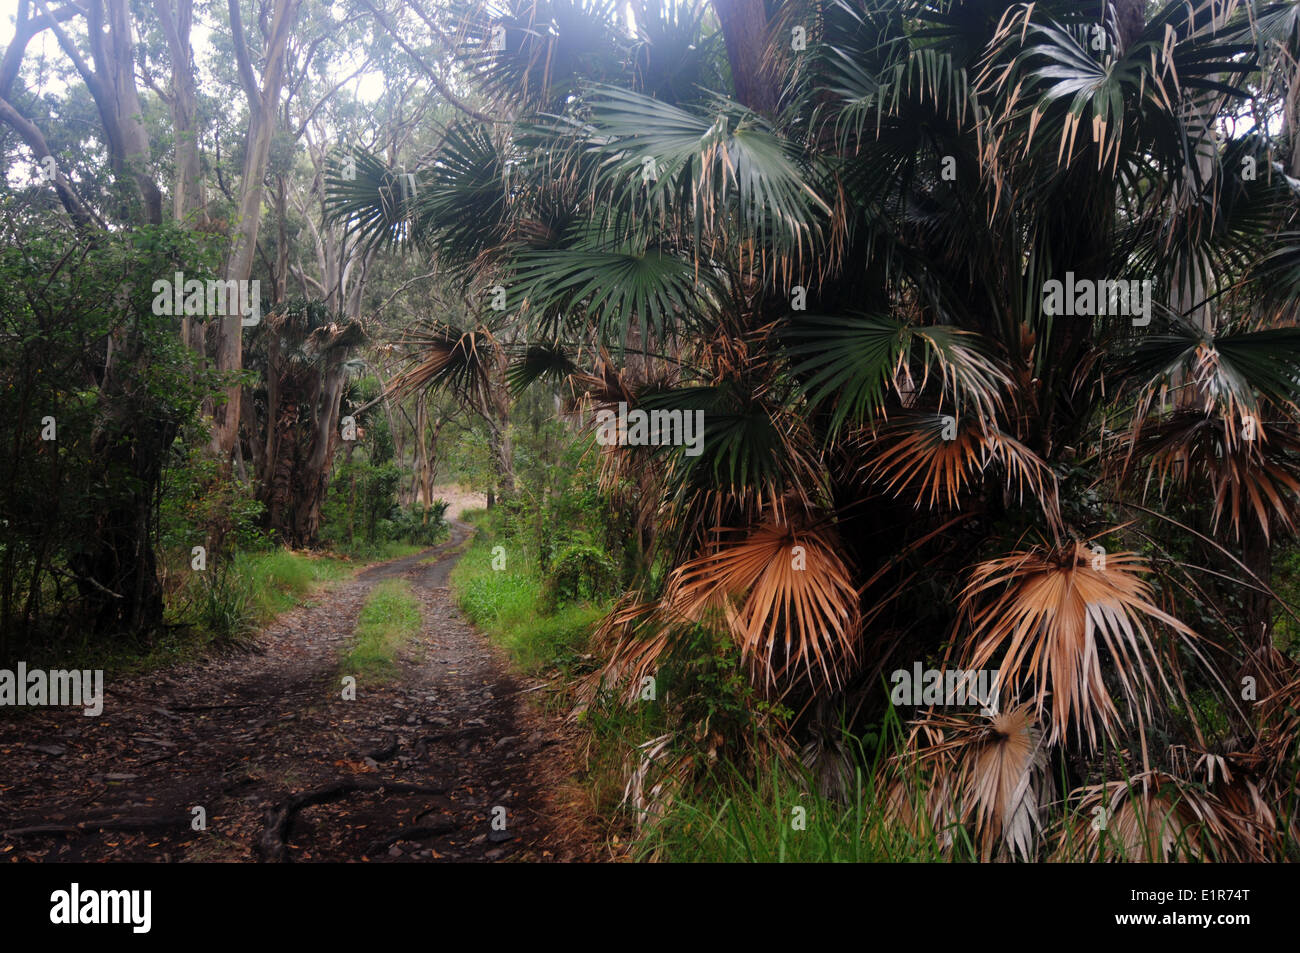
445 762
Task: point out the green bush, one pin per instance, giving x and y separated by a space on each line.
224 606
234 595
197 503
506 603
409 526
580 573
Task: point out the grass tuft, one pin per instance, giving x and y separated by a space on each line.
389 618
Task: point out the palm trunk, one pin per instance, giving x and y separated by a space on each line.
744 29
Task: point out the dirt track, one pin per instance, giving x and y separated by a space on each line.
286 769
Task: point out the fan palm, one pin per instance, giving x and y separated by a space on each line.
851 287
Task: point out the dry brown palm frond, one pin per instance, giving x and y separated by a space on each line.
936 458
1243 798
661 770
1280 733
784 594
607 385
1051 613
1154 817
632 639
1274 709
1249 480
995 771
441 355
1232 778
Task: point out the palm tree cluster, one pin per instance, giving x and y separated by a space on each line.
837 250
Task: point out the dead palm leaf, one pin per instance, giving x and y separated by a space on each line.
1051 614
661 770
444 356
937 458
633 638
997 773
1155 817
1248 480
784 594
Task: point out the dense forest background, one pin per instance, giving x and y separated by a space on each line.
827 226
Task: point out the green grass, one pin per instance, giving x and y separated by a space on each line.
781 819
278 580
230 601
505 604
389 618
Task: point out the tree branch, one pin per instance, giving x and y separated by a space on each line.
246 78
83 218
26 29
429 71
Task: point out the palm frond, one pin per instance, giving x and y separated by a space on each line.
721 171
1061 621
937 458
372 201
784 594
856 363
1155 817
447 357
996 772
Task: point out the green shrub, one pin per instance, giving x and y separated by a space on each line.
506 604
580 573
409 526
224 609
200 508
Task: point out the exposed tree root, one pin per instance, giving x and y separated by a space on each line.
417 832
152 823
274 845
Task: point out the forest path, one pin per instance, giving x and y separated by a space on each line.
424 767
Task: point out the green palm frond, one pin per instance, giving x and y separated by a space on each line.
1215 233
1278 272
371 200
721 170
461 207
1226 374
611 291
857 362
1053 83
535 362
750 448
536 52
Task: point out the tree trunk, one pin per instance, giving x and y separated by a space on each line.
263 100
1257 556
744 29
177 17
281 496
315 480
